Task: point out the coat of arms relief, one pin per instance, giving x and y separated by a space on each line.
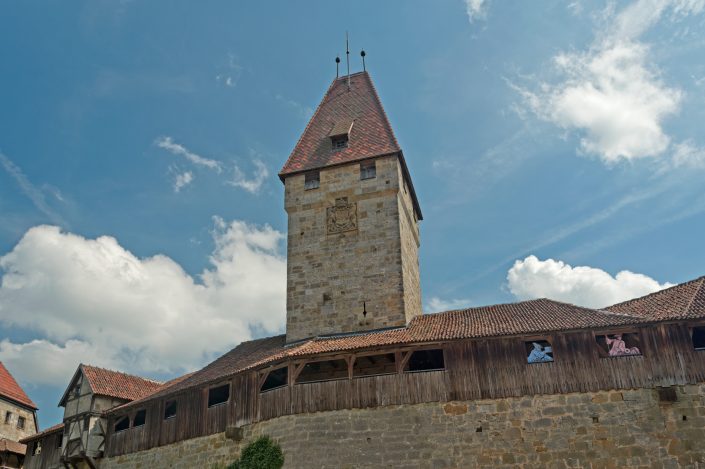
341 217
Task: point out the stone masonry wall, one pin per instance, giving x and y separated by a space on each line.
607 429
331 275
10 430
410 242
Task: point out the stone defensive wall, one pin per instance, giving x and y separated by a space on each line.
610 429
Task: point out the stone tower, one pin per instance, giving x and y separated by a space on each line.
353 220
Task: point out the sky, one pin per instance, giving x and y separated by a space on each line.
557 150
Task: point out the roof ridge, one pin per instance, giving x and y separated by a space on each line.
695 295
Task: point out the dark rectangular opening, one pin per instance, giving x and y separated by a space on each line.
122 424
699 338
59 437
667 394
368 170
371 365
140 418
8 416
218 395
20 423
426 360
87 423
619 344
538 351
339 142
170 410
312 180
276 379
323 371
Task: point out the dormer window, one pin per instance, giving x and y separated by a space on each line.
340 142
368 170
340 134
312 180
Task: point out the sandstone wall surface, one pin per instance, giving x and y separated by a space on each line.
607 429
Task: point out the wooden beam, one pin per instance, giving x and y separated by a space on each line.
89 460
351 363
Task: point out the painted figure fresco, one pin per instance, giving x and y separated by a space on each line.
540 353
617 346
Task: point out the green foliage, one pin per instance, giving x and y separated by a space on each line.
263 453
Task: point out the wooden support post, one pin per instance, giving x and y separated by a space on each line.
88 460
404 360
351 363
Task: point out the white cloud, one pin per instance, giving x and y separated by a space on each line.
254 184
580 285
91 300
689 155
612 93
168 144
182 180
438 305
475 9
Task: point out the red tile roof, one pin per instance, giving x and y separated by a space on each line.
371 134
119 385
53 429
11 390
12 446
683 301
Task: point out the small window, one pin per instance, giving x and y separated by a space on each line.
122 424
620 344
426 360
20 423
8 417
699 338
76 390
339 142
539 351
312 180
276 379
326 370
372 365
37 448
59 438
368 170
218 395
140 418
170 410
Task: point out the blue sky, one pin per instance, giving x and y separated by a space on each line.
556 148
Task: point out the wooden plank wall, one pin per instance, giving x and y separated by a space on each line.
475 369
50 456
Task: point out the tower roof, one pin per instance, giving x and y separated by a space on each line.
9 389
355 111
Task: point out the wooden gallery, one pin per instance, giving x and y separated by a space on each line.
363 379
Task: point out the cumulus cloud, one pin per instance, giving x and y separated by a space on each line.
167 143
475 9
92 300
612 94
182 180
438 305
581 285
253 184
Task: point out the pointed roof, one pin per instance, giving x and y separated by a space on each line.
113 384
357 110
11 390
682 301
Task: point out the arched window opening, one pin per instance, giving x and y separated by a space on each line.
326 370
276 379
372 365
425 360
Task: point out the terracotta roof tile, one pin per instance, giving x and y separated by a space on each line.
12 446
119 385
371 133
683 301
53 429
11 390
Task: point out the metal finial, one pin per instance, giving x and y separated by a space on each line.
337 62
362 54
347 55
